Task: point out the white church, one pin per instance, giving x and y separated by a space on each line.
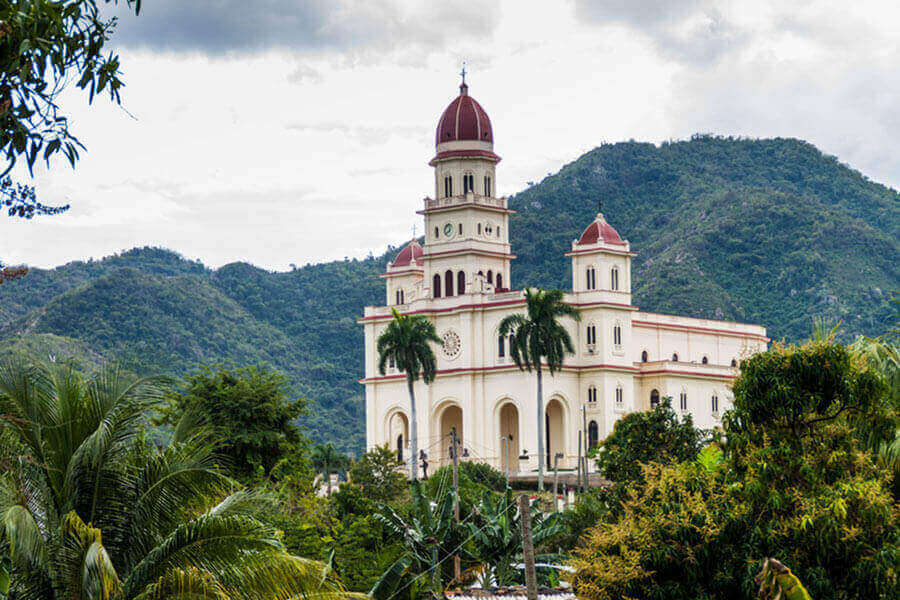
625 360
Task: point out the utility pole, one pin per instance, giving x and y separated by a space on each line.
586 448
506 449
578 483
528 548
456 563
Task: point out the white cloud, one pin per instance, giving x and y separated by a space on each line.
279 153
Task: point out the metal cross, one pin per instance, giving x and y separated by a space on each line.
463 72
414 231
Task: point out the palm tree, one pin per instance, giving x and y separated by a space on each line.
538 335
327 460
405 341
89 508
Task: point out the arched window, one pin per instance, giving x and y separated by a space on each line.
591 335
593 434
490 277
448 186
437 233
479 229
498 231
592 394
617 335
654 398
614 279
733 362
620 395
644 356
468 183
436 287
460 229
591 277
487 185
448 283
674 357
501 346
499 281
715 404
682 401
704 360
461 282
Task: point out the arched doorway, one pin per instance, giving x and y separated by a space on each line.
399 435
509 429
451 417
593 435
654 398
553 430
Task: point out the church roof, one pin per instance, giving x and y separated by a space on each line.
411 252
600 230
463 120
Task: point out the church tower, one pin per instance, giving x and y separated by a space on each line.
466 225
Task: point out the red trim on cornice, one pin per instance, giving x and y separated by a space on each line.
509 367
691 373
602 303
448 154
403 272
607 250
651 324
488 305
469 251
455 207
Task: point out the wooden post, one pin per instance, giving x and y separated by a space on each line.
528 548
456 562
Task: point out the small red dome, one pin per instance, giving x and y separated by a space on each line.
411 252
600 230
464 120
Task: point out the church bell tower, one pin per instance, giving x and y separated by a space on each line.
466 225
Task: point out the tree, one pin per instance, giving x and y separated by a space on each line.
656 435
430 536
249 407
537 335
45 45
406 342
326 460
795 485
376 473
89 509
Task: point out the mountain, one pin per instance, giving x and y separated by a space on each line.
763 231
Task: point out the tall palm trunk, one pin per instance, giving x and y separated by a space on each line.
540 424
413 431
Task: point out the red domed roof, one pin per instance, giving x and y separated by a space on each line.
600 230
411 252
464 120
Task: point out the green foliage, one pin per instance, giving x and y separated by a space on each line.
590 508
776 582
537 335
484 474
496 537
45 45
327 460
658 435
406 341
377 476
699 529
430 536
89 508
249 408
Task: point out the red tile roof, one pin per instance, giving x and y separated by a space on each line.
600 230
412 251
464 119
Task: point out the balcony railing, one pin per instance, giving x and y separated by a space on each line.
470 198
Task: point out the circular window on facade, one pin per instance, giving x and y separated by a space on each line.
451 344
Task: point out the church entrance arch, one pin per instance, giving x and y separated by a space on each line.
554 431
450 418
398 427
509 429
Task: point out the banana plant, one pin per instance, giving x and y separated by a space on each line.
496 535
430 536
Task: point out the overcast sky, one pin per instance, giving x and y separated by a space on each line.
295 131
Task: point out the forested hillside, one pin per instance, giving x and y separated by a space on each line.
765 231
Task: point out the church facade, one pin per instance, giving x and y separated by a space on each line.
625 359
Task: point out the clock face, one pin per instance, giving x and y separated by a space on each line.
448 229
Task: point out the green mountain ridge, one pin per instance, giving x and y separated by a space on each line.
763 231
